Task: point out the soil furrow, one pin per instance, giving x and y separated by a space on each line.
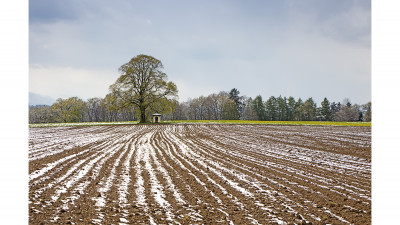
200 174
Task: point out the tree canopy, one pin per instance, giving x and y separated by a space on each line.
68 110
143 84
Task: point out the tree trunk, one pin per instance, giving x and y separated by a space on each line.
142 114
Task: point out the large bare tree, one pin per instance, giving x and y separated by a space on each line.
143 84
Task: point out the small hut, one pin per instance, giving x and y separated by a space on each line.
156 118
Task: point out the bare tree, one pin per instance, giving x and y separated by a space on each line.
95 111
367 108
248 111
347 112
41 114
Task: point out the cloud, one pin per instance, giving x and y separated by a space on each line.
64 82
255 47
49 11
313 65
344 21
299 64
100 35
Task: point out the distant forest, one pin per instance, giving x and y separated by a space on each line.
221 106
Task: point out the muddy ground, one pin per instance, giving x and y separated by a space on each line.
200 174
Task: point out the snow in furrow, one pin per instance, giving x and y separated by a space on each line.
329 188
105 184
79 189
82 186
201 161
63 141
183 148
273 173
171 155
54 172
68 173
310 176
50 166
81 173
233 184
336 216
58 180
304 155
240 177
140 189
125 181
167 177
74 166
329 182
178 197
156 187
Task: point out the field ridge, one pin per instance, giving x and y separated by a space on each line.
200 174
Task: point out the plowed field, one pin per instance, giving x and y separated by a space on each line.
200 174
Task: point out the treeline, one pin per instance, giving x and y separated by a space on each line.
231 106
75 109
220 106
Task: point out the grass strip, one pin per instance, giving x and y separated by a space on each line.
304 123
316 123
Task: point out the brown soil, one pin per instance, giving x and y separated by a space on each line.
200 174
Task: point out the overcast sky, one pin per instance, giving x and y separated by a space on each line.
308 48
